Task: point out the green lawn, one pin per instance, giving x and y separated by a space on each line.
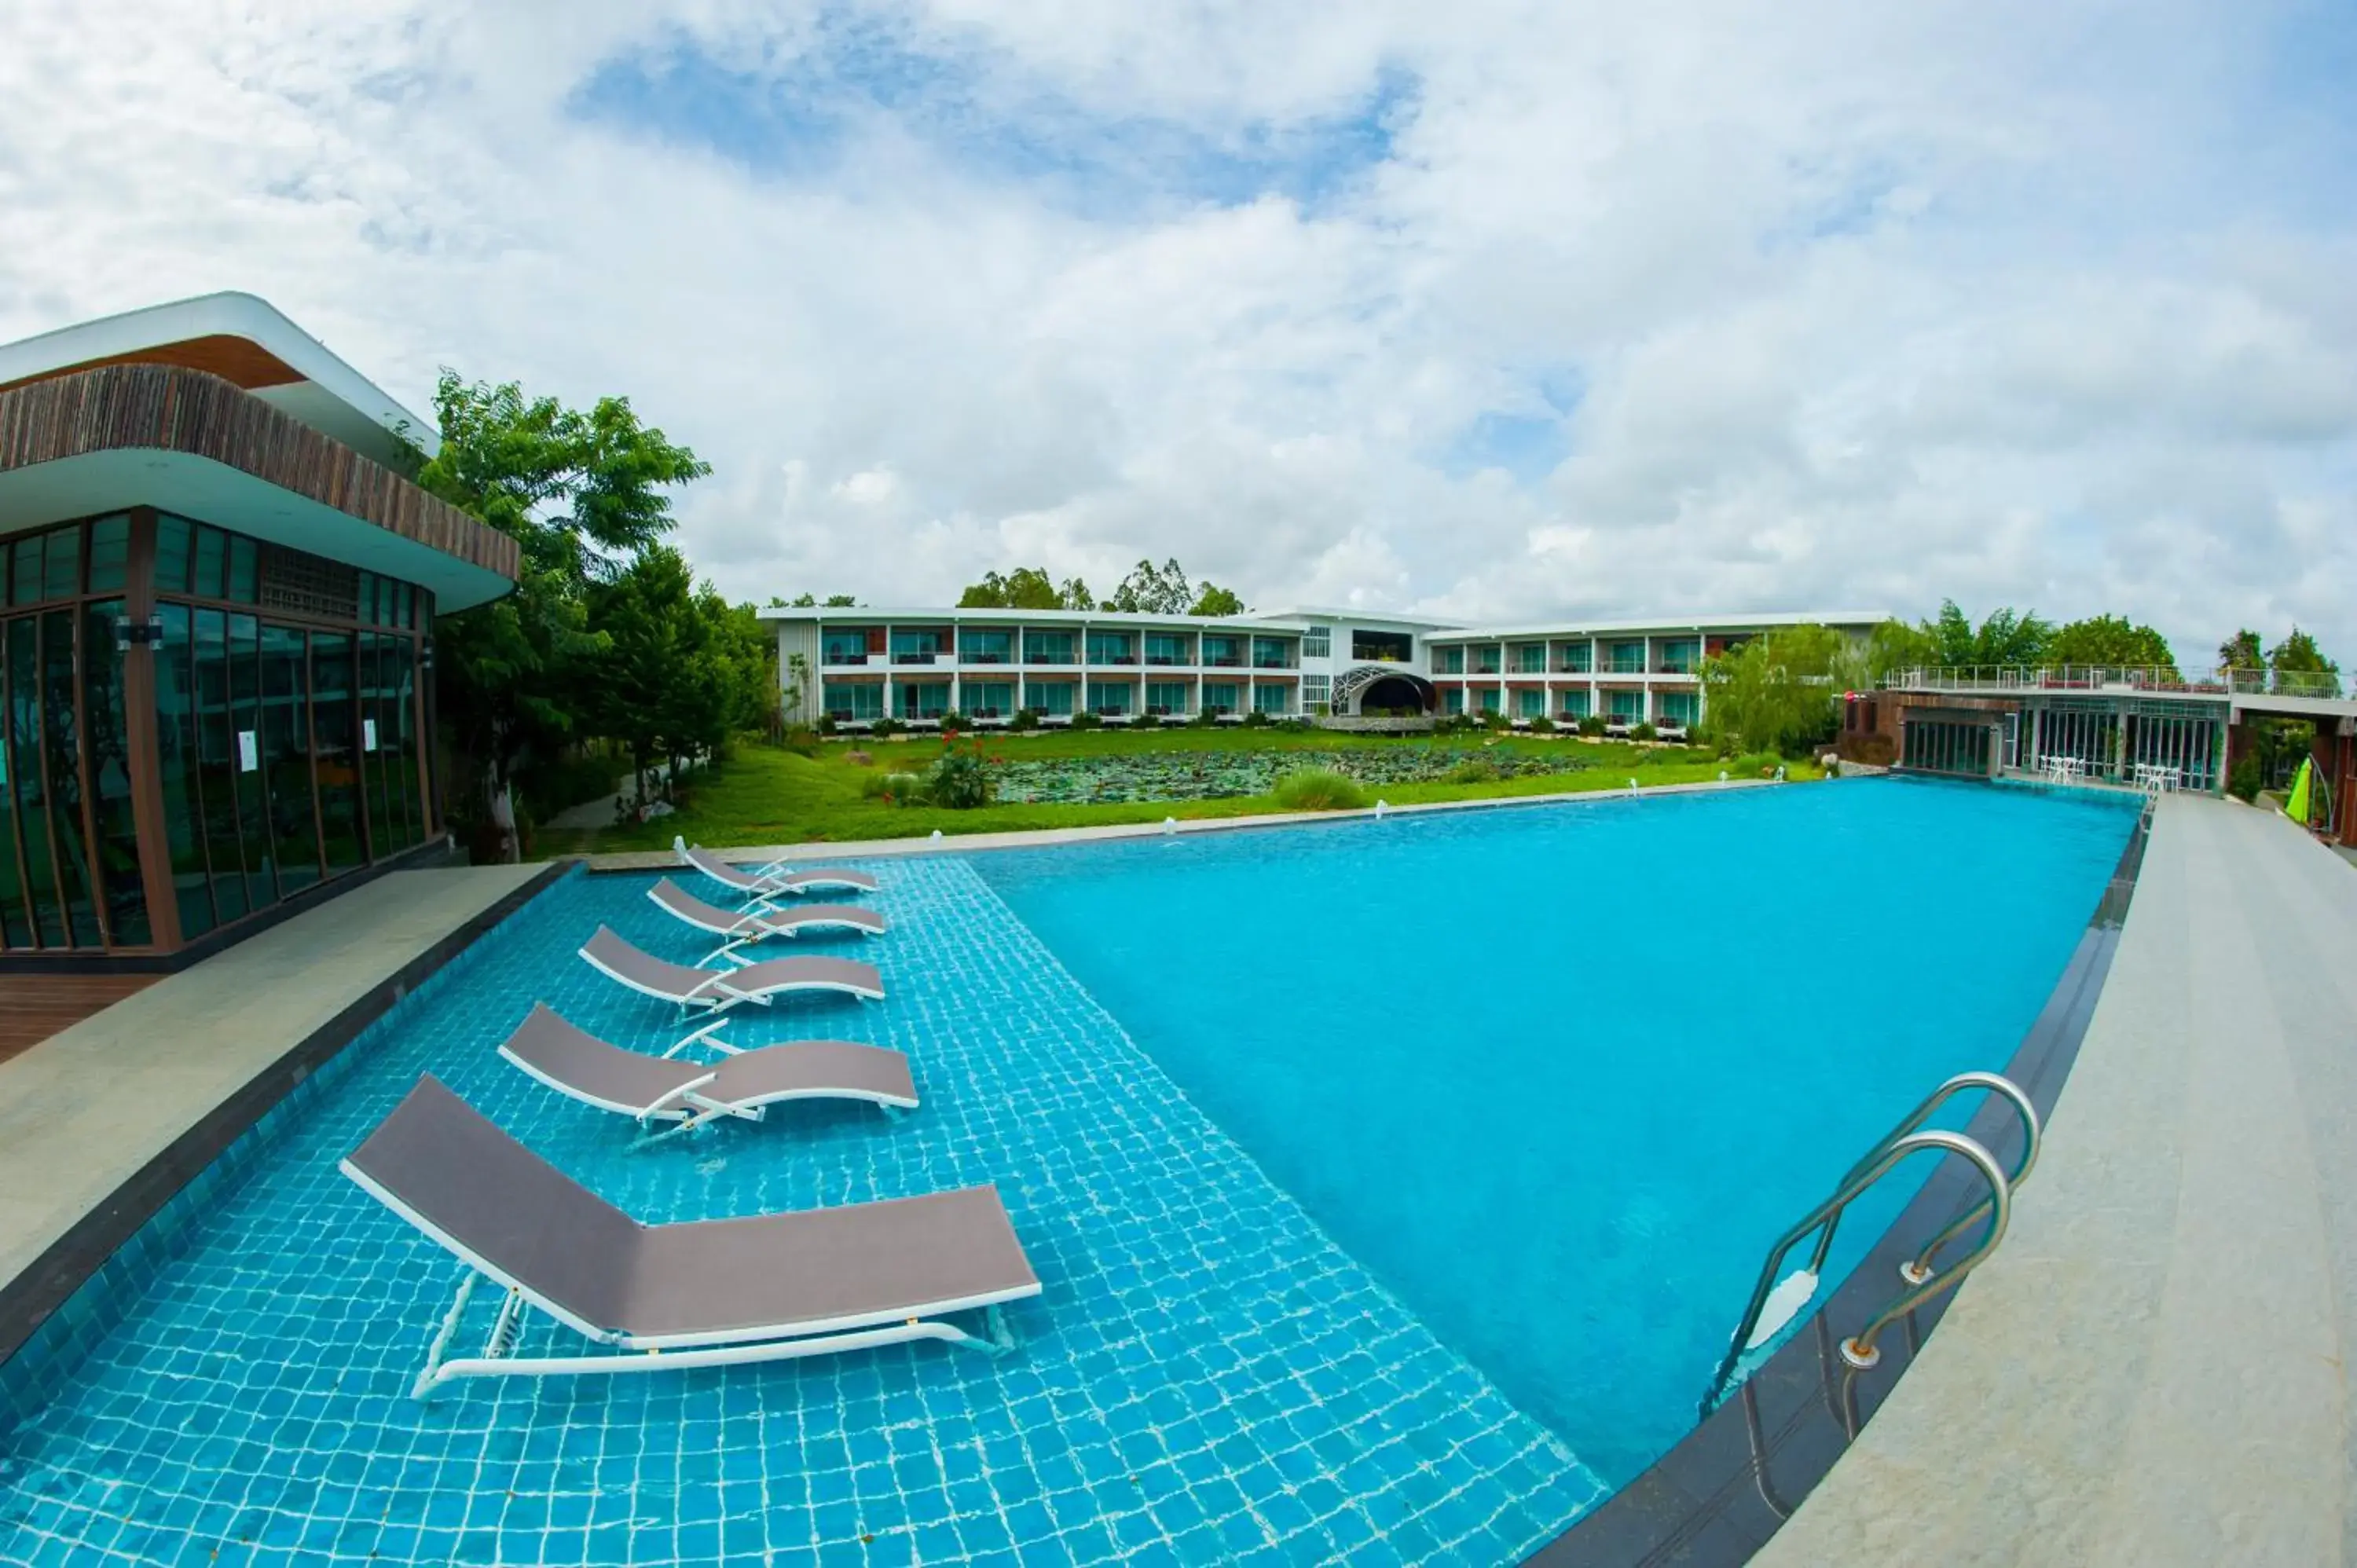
762 794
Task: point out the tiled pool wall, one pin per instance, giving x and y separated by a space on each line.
32 1374
1716 1498
1208 1378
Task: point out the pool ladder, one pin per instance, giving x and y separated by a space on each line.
1773 1304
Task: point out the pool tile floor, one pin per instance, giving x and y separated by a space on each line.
1206 1377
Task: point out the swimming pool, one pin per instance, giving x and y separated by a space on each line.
1238 1355
1559 1077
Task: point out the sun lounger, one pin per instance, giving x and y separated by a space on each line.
719 990
768 881
689 1094
708 1293
757 922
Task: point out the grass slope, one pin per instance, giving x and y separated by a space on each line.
761 795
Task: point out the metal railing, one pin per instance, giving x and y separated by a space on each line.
1922 1282
2140 678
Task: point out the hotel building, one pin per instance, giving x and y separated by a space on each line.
217 606
858 665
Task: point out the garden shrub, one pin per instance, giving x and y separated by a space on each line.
959 780
802 740
1087 720
1593 725
1760 764
885 727
2244 782
1025 718
826 724
859 759
953 722
1643 731
1319 789
1204 719
1477 770
1495 719
1542 725
1256 720
1146 721
900 789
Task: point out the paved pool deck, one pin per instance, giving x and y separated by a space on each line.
2153 1367
91 1107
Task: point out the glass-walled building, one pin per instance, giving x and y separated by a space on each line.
215 694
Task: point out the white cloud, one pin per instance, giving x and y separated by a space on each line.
2022 303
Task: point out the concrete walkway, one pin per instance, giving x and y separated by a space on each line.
2152 1369
88 1108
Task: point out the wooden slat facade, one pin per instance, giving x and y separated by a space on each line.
35 1006
173 409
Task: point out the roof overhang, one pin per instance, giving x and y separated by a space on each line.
184 441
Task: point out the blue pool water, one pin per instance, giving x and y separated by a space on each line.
1391 1188
1559 1076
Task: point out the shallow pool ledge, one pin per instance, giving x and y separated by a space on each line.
2153 1367
1039 837
102 1124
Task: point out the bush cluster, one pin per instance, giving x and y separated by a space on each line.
1319 789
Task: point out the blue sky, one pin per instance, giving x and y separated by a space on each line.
1484 309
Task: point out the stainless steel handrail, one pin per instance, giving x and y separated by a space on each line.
1859 1349
1825 1219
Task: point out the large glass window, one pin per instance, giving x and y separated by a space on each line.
31 774
923 698
1222 652
1627 707
1219 697
217 766
852 702
119 879
1530 702
286 758
1272 699
335 751
1273 652
919 647
1318 642
1048 647
1529 658
1166 648
1449 660
1575 658
1166 697
1112 647
987 699
1485 659
62 751
1628 658
977 646
1048 696
1452 700
1681 708
1111 696
245 760
1573 703
176 763
843 646
377 764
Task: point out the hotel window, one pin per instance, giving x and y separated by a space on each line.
1315 693
1485 659
1575 658
1382 647
1679 656
1492 700
977 647
1273 653
1452 700
1048 696
1166 698
1628 658
1449 660
1573 704
1110 696
923 698
1048 647
919 647
1530 659
1679 707
844 647
1112 647
1530 702
1272 699
1166 648
852 702
1222 652
987 699
1318 642
1219 696
1628 707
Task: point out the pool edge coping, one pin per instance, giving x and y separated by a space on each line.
1718 1495
28 1300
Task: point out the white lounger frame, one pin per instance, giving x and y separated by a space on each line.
716 994
665 1353
768 872
688 1110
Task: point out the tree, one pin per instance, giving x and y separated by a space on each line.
1075 596
2240 652
1779 691
2004 638
581 492
1895 645
1153 590
2298 655
1215 600
1025 588
2110 639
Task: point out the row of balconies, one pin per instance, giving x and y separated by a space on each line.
1002 661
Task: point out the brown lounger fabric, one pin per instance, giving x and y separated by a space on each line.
762 920
547 1045
679 981
713 1280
